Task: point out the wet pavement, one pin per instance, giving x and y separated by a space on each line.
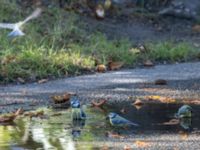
182 82
56 130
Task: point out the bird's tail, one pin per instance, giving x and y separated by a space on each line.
134 124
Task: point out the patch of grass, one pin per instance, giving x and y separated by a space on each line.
56 44
170 51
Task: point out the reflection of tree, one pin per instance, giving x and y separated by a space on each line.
56 132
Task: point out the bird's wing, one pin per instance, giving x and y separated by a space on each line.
16 33
7 25
122 120
34 15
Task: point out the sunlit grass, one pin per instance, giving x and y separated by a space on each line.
56 45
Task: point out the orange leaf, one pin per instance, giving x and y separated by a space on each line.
142 144
101 68
138 102
115 65
184 136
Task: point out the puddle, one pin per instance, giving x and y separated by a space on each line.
55 130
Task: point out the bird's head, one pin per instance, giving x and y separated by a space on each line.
112 115
75 103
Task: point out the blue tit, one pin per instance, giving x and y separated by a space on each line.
77 111
116 120
184 112
16 27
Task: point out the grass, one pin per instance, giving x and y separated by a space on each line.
56 45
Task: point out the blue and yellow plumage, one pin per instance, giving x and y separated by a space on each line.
116 120
77 111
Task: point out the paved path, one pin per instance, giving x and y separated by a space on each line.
183 81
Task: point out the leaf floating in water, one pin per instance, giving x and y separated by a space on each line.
34 114
10 117
142 144
171 122
160 82
99 104
58 99
101 68
196 28
115 65
138 102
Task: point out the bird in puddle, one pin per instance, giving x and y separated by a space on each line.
16 27
184 112
77 111
117 120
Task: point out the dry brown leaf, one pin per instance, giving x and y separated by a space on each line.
138 102
171 122
105 147
142 144
101 68
184 136
196 28
99 12
99 104
148 63
42 81
115 65
127 147
34 114
10 117
114 135
160 82
58 99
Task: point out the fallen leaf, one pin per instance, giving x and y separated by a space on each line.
21 80
184 135
115 65
114 135
160 82
99 104
161 99
105 147
142 144
196 28
138 102
148 63
34 114
101 68
42 81
10 117
127 147
99 12
58 99
171 122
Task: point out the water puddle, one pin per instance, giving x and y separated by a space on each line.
55 130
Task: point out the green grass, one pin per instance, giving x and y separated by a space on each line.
56 44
